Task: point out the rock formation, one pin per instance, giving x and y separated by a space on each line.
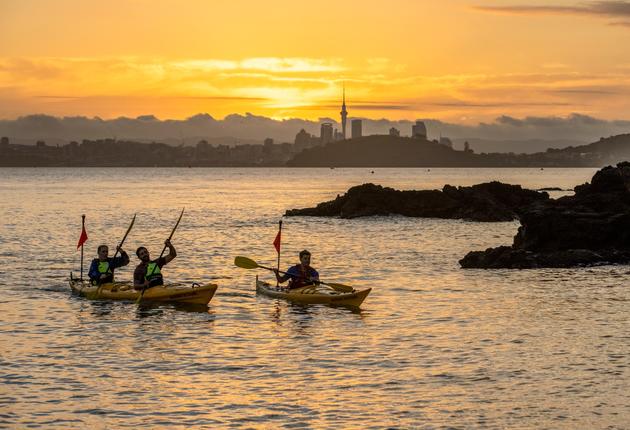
486 202
590 227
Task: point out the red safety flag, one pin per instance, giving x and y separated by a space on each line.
276 241
83 238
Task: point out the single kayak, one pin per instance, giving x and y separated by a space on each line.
195 294
314 294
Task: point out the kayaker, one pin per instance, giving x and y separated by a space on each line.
301 274
102 268
147 273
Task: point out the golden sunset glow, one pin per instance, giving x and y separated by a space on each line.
462 60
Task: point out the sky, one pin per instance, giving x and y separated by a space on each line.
461 61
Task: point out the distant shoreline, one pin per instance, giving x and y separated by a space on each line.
298 167
370 152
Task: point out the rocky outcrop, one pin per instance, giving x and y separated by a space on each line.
486 202
590 227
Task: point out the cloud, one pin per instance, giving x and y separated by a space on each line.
547 131
594 91
291 65
601 9
496 105
58 97
269 64
285 87
362 105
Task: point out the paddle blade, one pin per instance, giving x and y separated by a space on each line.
340 287
245 263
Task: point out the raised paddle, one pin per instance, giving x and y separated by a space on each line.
248 263
161 254
98 290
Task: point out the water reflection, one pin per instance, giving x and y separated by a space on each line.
147 310
99 308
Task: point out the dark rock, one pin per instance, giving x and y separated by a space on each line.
588 228
551 189
486 202
506 257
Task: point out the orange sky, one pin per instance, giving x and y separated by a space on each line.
461 61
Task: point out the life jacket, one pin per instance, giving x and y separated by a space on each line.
103 269
153 274
302 280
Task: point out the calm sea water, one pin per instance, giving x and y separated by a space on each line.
433 346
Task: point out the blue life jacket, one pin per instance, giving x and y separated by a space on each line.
301 280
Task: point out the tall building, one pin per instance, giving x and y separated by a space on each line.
419 130
326 133
357 128
304 140
344 113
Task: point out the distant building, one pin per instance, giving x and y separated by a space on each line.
467 148
304 140
419 130
446 142
338 135
357 128
394 132
344 115
268 146
40 144
326 133
203 149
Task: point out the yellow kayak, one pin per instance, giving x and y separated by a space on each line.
195 294
312 294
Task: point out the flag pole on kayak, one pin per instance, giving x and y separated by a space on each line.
82 240
276 243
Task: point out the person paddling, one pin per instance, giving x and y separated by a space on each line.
102 268
301 274
147 273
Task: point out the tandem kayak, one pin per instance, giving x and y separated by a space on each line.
174 293
313 294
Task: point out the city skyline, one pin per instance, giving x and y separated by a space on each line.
465 62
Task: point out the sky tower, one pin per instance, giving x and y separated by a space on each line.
344 113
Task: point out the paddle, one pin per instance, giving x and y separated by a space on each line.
98 290
161 254
248 263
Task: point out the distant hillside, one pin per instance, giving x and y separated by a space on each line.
382 151
610 150
392 151
517 146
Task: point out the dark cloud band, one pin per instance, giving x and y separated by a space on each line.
602 9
